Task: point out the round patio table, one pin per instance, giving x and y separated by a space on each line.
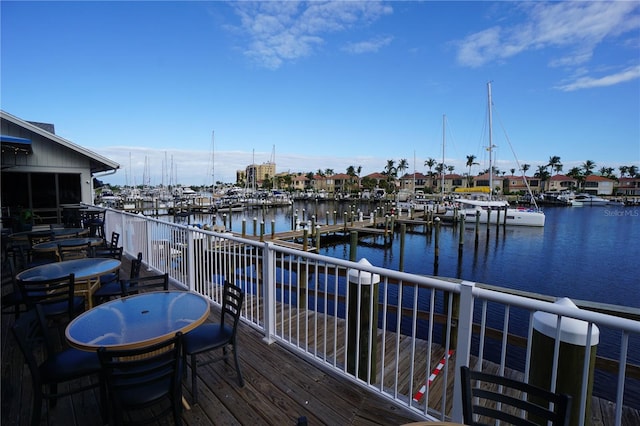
53 245
56 232
87 273
138 320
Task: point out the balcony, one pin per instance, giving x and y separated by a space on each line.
298 357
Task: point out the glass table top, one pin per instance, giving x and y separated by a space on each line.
138 320
81 268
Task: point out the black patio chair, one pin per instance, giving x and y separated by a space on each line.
142 284
209 336
35 257
55 295
30 331
12 301
139 378
108 246
68 251
111 253
114 288
487 397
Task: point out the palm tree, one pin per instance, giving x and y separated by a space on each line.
576 173
543 175
512 170
391 171
525 167
558 168
402 166
351 171
329 172
553 162
310 177
430 163
471 161
588 166
623 170
633 171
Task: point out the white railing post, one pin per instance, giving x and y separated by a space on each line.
148 251
463 349
269 286
191 264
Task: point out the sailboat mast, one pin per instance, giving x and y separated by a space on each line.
490 140
213 161
444 119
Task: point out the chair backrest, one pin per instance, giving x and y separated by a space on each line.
75 251
8 277
29 334
115 239
111 252
148 373
49 292
11 296
136 265
150 283
37 238
487 396
232 299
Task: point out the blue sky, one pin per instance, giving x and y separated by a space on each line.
181 92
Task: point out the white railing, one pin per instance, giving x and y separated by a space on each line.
322 307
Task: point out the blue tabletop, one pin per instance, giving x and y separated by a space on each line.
57 232
138 320
53 245
82 268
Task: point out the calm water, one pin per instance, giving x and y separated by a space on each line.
584 253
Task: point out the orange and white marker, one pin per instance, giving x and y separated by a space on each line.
418 396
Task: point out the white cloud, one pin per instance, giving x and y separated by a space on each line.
573 29
628 74
368 46
281 31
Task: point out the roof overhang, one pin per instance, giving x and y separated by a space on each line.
16 145
98 162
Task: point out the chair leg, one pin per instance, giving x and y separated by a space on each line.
53 390
194 379
235 357
36 411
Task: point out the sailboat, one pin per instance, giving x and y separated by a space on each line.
490 210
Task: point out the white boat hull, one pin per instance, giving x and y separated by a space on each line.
493 213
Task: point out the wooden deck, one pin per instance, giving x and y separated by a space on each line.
280 386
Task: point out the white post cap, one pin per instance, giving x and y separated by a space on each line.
572 330
363 277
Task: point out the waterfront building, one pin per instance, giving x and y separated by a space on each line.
629 186
41 170
598 185
559 183
414 181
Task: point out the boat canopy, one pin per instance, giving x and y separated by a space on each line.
482 189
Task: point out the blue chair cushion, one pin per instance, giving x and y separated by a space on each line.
206 337
68 365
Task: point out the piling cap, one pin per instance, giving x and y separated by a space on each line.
572 331
363 277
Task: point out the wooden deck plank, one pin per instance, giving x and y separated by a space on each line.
280 384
